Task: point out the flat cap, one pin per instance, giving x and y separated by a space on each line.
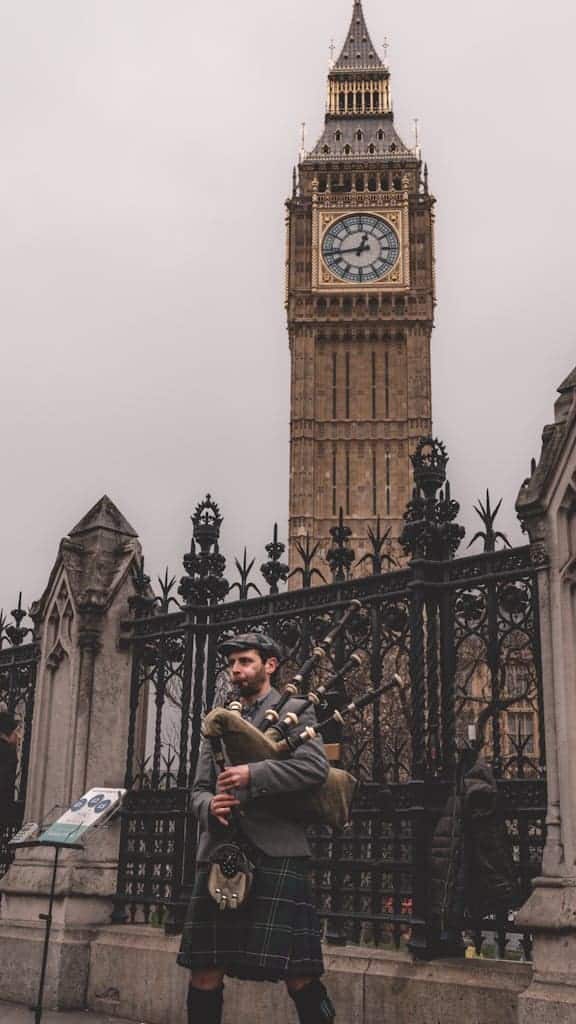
251 642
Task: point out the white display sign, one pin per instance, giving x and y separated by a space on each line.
92 809
27 834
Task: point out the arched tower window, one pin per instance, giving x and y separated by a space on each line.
372 149
347 150
338 136
325 149
359 136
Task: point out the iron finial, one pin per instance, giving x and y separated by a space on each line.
488 516
205 582
308 552
274 571
430 530
340 556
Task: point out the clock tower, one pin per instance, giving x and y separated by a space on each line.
360 301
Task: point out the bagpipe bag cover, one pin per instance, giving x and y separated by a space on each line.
328 804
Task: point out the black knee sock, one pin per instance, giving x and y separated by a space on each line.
313 1004
205 1005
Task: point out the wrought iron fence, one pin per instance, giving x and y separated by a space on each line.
18 660
464 636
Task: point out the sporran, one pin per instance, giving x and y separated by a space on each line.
230 877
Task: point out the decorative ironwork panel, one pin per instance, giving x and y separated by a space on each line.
153 833
496 641
18 663
364 876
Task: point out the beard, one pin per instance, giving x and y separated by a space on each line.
252 687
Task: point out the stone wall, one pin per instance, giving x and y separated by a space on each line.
547 506
133 974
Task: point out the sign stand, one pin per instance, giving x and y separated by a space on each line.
93 809
38 1008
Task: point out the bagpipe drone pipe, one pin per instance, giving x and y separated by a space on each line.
239 742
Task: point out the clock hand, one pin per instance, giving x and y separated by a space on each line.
341 252
363 245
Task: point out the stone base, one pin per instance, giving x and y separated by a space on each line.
551 914
21 947
134 975
547 1004
75 923
398 990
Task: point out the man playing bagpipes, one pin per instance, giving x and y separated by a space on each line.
264 927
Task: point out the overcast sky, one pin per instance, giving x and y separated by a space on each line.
145 155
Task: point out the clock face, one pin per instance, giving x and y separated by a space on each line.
360 248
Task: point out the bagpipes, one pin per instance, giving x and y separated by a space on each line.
279 736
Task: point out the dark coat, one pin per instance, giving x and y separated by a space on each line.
446 892
8 769
471 861
491 882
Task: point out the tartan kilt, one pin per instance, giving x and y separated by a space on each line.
274 936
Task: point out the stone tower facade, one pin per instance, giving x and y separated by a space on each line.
360 301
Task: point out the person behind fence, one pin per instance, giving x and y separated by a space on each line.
275 934
9 739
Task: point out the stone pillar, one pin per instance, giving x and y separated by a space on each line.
547 506
78 741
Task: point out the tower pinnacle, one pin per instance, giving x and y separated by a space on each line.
358 52
358 83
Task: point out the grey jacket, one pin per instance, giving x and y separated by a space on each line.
272 834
